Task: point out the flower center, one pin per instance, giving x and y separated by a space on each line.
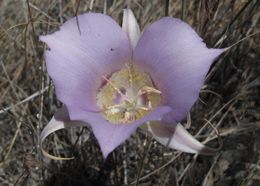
127 95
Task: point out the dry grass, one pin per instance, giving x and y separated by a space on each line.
229 101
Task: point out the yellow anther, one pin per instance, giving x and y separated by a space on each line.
147 89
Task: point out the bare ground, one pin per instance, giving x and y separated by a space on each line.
229 101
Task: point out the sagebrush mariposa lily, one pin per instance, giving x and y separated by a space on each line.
115 79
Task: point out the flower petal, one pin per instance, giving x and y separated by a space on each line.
178 61
60 120
176 137
131 27
80 54
109 135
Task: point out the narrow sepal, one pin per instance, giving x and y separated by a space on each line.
177 137
131 27
60 120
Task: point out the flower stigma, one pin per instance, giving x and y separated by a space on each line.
127 95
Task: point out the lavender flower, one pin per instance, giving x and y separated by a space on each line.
116 79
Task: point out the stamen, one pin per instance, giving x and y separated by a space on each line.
146 89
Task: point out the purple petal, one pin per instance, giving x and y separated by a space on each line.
176 137
131 27
60 120
108 135
81 54
178 61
